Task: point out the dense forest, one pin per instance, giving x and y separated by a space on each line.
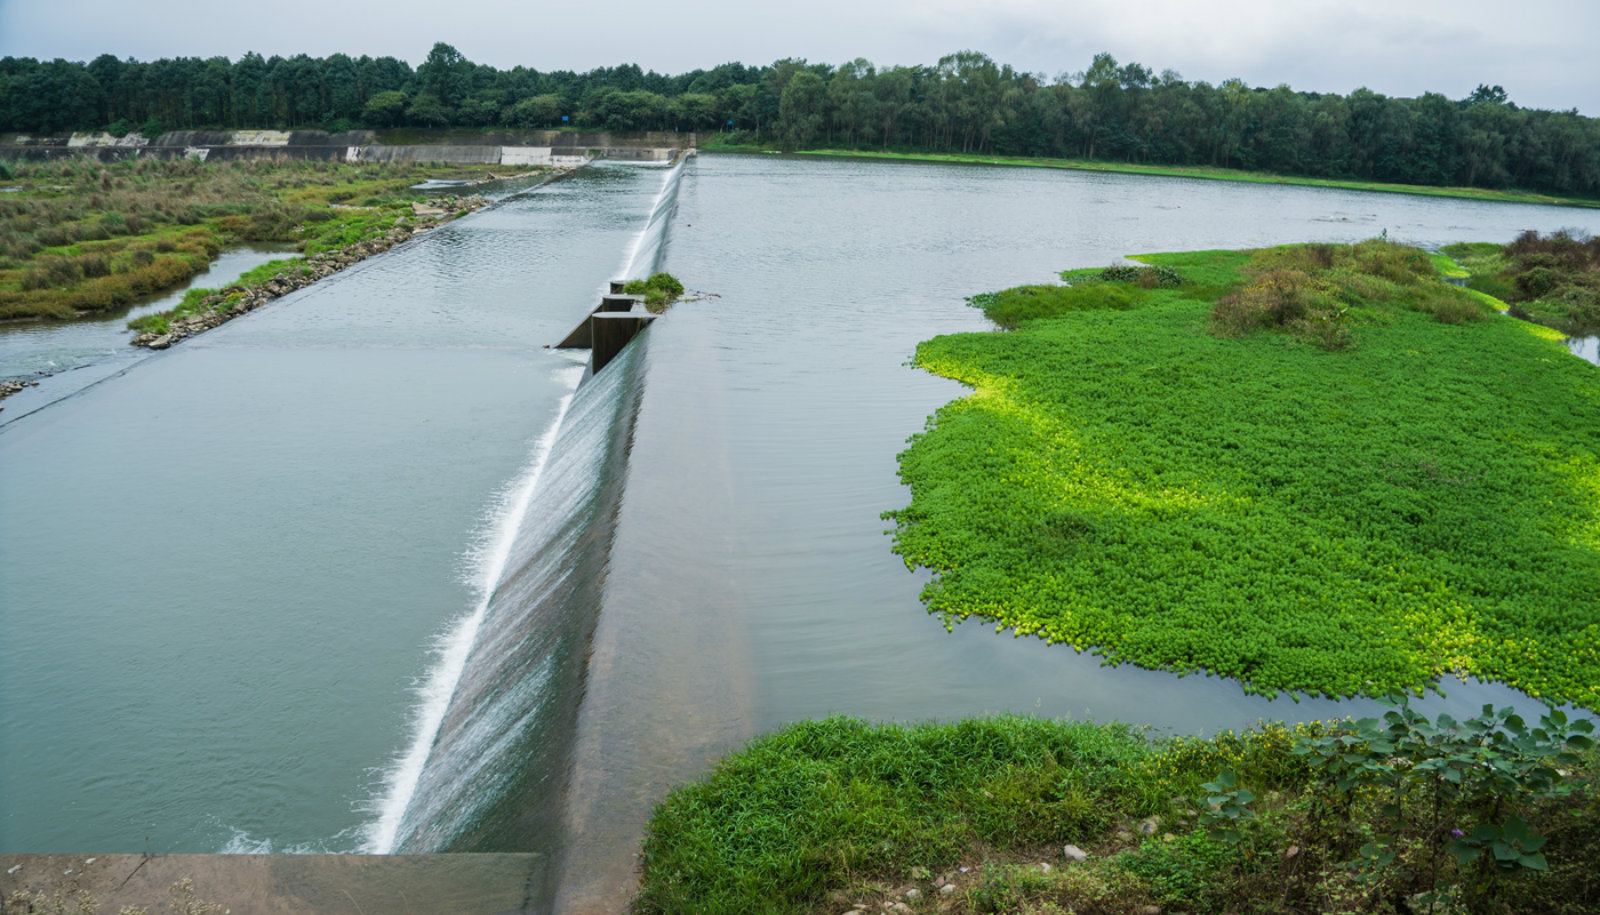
966 103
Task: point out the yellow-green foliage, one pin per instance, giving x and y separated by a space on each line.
1425 502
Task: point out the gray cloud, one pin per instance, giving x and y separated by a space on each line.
1542 54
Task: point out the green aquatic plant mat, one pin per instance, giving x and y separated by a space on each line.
1425 502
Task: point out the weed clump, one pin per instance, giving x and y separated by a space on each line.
1552 280
659 291
1320 293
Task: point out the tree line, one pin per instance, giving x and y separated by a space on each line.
966 103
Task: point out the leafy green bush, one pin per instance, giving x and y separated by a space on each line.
1407 791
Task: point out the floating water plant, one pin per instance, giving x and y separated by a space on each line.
1413 494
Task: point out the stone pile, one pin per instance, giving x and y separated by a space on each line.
7 388
308 270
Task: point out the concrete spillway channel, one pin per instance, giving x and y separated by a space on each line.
618 319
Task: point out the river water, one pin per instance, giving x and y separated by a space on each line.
86 351
222 573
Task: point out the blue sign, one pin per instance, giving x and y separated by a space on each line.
563 117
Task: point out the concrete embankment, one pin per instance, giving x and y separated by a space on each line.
559 149
271 884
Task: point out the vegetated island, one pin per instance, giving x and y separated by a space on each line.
1313 468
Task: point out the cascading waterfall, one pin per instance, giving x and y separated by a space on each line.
494 768
645 257
454 647
493 730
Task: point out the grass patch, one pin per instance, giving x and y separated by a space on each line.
660 291
823 816
1163 488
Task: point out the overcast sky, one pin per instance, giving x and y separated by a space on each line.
1546 53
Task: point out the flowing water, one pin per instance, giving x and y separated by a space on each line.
225 569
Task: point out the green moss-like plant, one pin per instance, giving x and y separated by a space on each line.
1424 500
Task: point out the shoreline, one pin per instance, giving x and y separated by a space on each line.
307 270
1209 173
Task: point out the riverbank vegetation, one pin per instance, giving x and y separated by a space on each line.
1395 815
1552 280
82 236
1206 172
1313 468
965 104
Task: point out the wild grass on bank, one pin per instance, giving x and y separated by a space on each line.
1206 481
1552 280
84 236
975 816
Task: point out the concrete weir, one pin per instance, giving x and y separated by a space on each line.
608 328
271 884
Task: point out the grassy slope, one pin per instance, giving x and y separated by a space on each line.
823 816
1222 174
1425 502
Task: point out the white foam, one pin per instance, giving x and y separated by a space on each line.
454 647
654 228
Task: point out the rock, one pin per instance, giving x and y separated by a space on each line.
947 889
1150 910
913 894
1074 853
1149 825
161 342
1044 868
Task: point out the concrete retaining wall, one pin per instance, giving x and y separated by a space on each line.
281 884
